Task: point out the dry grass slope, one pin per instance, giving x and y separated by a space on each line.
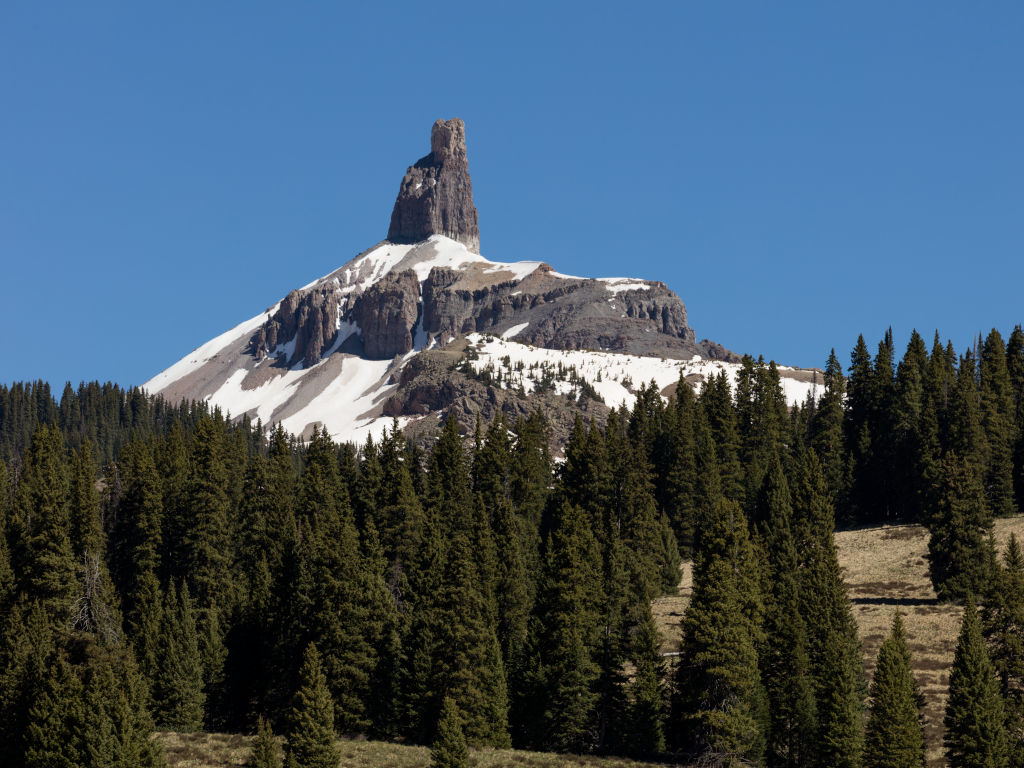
885 569
218 750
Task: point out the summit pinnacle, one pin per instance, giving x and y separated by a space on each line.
436 194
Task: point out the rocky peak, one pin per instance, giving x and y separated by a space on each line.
436 194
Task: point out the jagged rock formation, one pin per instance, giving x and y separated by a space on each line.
436 195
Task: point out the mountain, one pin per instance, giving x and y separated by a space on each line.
421 325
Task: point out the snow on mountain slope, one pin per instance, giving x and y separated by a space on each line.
613 376
346 392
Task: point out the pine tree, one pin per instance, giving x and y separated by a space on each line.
975 727
449 749
894 738
264 747
311 722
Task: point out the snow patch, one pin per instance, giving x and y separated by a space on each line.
515 330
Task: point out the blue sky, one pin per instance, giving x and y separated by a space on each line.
797 174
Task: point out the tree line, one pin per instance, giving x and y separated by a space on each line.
202 574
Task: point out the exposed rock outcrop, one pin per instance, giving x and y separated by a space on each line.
310 318
436 195
386 313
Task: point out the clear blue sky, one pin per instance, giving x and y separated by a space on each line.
798 174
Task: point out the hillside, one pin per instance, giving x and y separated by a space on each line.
218 750
885 569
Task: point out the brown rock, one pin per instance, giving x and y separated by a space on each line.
386 314
436 195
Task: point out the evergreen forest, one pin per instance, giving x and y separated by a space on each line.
163 567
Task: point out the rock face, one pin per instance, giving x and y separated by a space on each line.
386 313
436 195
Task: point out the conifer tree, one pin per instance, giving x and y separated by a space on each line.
1003 627
264 747
785 665
137 538
117 724
959 553
894 738
680 473
720 696
645 733
206 538
907 430
857 427
832 643
997 419
964 434
975 727
311 721
27 647
827 429
567 634
44 559
470 667
56 720
178 696
449 749
716 405
84 526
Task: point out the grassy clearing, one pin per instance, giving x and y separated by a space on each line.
218 750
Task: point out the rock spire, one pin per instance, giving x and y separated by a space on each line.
436 195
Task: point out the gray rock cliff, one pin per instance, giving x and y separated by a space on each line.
436 195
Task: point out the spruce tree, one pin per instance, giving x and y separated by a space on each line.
975 727
566 637
827 429
997 419
832 643
311 721
56 720
720 698
469 667
785 664
645 732
206 537
43 556
449 748
264 747
894 738
959 554
178 696
1003 627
